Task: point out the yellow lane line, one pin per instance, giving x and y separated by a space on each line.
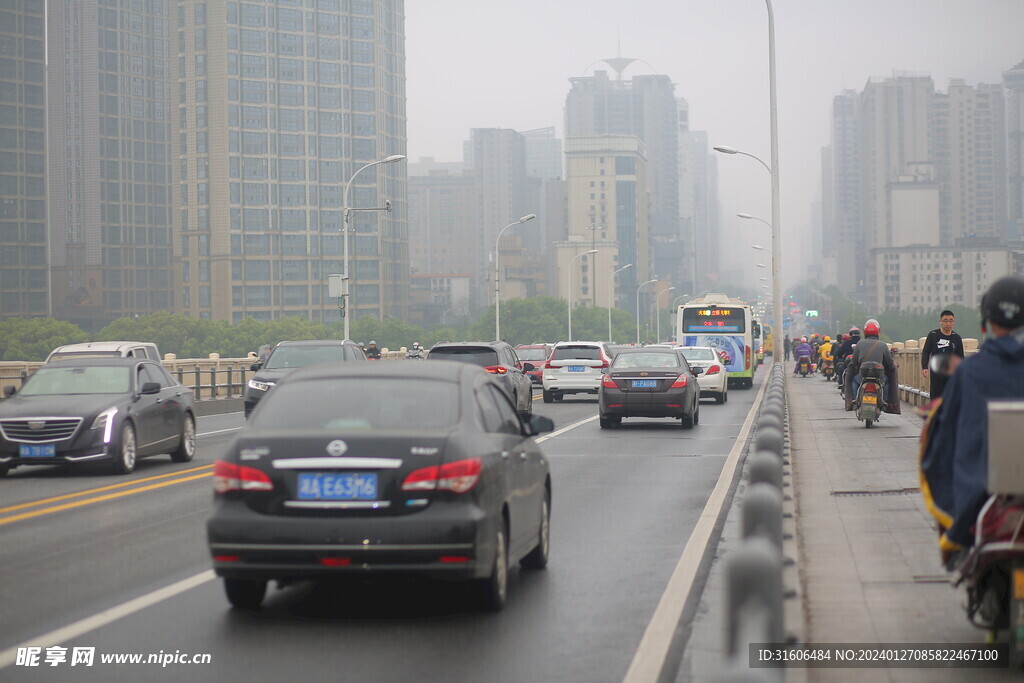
99 499
87 492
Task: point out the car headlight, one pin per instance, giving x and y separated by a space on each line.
105 421
260 386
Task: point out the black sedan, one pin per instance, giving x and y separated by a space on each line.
391 468
96 409
287 357
649 383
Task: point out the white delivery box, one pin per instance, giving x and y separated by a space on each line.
1006 447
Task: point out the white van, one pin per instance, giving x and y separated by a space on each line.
124 349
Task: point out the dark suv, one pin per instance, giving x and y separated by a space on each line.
497 358
288 356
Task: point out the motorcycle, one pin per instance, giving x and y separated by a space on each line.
870 399
993 572
414 354
828 370
804 366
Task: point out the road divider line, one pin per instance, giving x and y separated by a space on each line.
108 616
567 428
87 492
653 651
219 431
99 499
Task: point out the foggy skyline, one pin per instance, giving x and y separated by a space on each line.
471 65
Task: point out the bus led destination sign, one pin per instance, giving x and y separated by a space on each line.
712 320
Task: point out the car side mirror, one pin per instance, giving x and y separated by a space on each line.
697 371
528 367
538 424
255 366
9 390
150 388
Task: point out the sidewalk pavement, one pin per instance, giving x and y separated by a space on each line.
866 551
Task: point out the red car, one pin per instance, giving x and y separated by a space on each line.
535 354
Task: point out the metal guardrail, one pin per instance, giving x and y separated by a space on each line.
754 571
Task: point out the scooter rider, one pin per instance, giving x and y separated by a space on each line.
800 350
869 349
844 350
955 459
372 352
415 351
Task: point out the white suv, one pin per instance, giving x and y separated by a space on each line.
574 368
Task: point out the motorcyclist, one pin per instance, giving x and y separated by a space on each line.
955 455
844 350
372 352
415 351
825 350
870 349
800 350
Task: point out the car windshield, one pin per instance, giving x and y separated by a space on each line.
361 403
576 353
698 354
302 355
532 354
476 355
50 381
645 360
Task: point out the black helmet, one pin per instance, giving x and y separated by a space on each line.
1003 303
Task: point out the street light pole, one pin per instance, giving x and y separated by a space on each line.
776 209
346 213
657 310
593 228
611 289
497 291
639 287
568 285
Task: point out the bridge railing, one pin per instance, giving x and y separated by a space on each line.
211 377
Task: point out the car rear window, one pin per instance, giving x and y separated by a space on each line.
361 403
301 356
576 353
532 354
645 360
699 354
475 355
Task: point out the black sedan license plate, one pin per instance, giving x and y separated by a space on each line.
645 384
46 450
338 486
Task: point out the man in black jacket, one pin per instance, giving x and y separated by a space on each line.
870 349
942 340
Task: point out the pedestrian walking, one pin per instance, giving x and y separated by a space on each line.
941 340
787 344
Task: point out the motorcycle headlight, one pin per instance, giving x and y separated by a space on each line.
260 386
105 421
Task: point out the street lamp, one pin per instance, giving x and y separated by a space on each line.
611 288
639 287
758 247
497 292
568 285
657 310
346 212
773 170
754 218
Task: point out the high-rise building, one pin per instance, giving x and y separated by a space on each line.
442 223
701 170
498 160
24 285
846 245
969 129
1013 82
646 107
895 131
606 182
543 153
278 107
109 162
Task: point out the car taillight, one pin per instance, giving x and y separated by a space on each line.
608 383
604 363
496 369
680 382
548 365
228 476
713 370
458 477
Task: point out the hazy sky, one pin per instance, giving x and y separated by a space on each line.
481 63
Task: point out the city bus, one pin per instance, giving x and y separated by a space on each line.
723 323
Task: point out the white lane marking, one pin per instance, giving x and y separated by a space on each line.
653 650
219 431
565 429
108 616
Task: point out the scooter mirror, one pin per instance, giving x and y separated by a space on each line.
941 364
